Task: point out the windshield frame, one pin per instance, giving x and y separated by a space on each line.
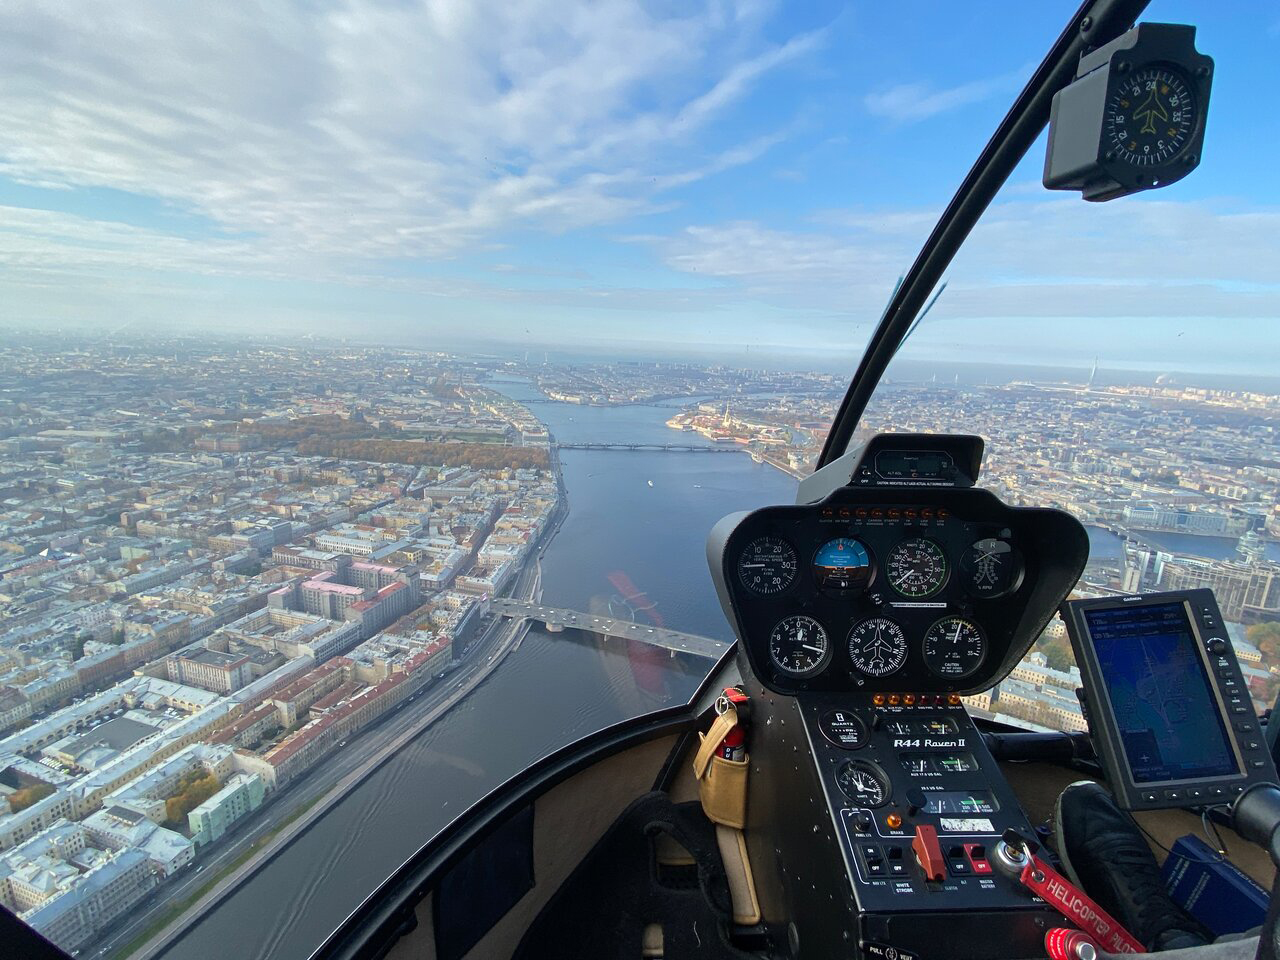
1095 23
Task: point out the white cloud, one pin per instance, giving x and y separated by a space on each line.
910 102
373 128
1038 258
43 243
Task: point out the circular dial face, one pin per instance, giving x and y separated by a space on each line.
877 647
992 568
917 568
863 783
799 646
843 564
1150 116
954 647
843 729
767 565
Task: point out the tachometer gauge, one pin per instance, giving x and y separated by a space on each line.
877 647
992 568
1150 116
767 565
863 783
843 564
799 646
954 647
917 568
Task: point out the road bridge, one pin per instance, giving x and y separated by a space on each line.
650 447
557 619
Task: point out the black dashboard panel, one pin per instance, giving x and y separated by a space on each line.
926 590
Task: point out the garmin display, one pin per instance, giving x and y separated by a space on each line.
1168 708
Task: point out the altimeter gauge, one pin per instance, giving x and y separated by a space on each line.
799 646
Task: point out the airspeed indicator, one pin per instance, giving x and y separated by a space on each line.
917 568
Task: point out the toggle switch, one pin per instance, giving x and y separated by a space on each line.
977 854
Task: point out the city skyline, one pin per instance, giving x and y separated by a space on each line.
744 174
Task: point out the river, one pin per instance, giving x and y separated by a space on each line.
624 536
634 538
1106 546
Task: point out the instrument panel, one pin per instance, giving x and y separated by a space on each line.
879 588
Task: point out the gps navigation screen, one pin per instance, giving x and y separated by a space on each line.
1168 719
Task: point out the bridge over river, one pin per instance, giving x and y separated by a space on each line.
648 447
557 619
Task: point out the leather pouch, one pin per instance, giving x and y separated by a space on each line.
722 784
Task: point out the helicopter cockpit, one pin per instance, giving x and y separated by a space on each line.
828 793
842 784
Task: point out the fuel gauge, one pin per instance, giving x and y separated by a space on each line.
956 762
918 765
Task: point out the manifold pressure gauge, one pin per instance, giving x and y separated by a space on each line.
1133 119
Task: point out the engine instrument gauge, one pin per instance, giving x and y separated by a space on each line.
843 565
917 568
877 647
863 783
992 568
963 802
767 565
954 647
799 646
956 762
1150 116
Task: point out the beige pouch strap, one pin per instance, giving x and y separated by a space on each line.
723 724
737 868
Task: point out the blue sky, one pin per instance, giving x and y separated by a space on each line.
612 175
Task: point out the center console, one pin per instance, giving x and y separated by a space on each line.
919 802
874 808
882 813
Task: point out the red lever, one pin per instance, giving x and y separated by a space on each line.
929 853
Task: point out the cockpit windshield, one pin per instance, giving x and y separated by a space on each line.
371 375
1119 361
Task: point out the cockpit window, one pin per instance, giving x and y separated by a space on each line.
1119 360
372 373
